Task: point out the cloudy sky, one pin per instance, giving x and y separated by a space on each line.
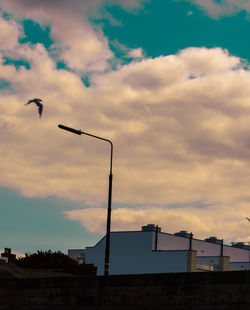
168 81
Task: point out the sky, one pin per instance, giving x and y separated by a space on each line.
167 81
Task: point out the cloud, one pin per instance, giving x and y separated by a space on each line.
171 134
224 7
9 32
77 44
201 221
78 8
176 138
136 53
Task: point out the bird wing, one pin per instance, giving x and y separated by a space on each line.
40 108
29 101
37 101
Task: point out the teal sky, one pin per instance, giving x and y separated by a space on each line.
161 27
39 224
165 27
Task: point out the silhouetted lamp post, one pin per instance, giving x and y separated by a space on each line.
107 250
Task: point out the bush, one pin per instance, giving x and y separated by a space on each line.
56 261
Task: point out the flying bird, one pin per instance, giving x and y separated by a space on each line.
248 219
37 101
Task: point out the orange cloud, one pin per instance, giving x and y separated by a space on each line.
179 124
223 221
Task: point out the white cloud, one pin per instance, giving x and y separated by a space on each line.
208 61
224 7
9 32
81 47
136 53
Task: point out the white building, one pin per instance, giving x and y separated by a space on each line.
153 251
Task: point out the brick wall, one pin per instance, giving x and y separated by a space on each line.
187 291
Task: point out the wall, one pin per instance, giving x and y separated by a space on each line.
171 242
95 255
124 246
183 291
154 262
209 259
206 248
240 266
236 254
131 253
219 263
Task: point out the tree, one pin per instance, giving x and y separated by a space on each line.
55 261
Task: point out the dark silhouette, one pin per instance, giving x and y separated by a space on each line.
37 101
107 247
7 253
55 261
248 219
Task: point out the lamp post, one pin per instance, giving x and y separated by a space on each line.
107 249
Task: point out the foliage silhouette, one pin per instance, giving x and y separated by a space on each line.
56 261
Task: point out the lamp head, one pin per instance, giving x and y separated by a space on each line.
78 132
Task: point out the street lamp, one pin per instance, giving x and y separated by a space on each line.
107 250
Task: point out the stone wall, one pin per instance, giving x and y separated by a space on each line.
187 291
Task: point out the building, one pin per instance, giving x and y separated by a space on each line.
153 251
77 254
7 256
3 259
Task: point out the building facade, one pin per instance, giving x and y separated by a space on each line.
153 251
